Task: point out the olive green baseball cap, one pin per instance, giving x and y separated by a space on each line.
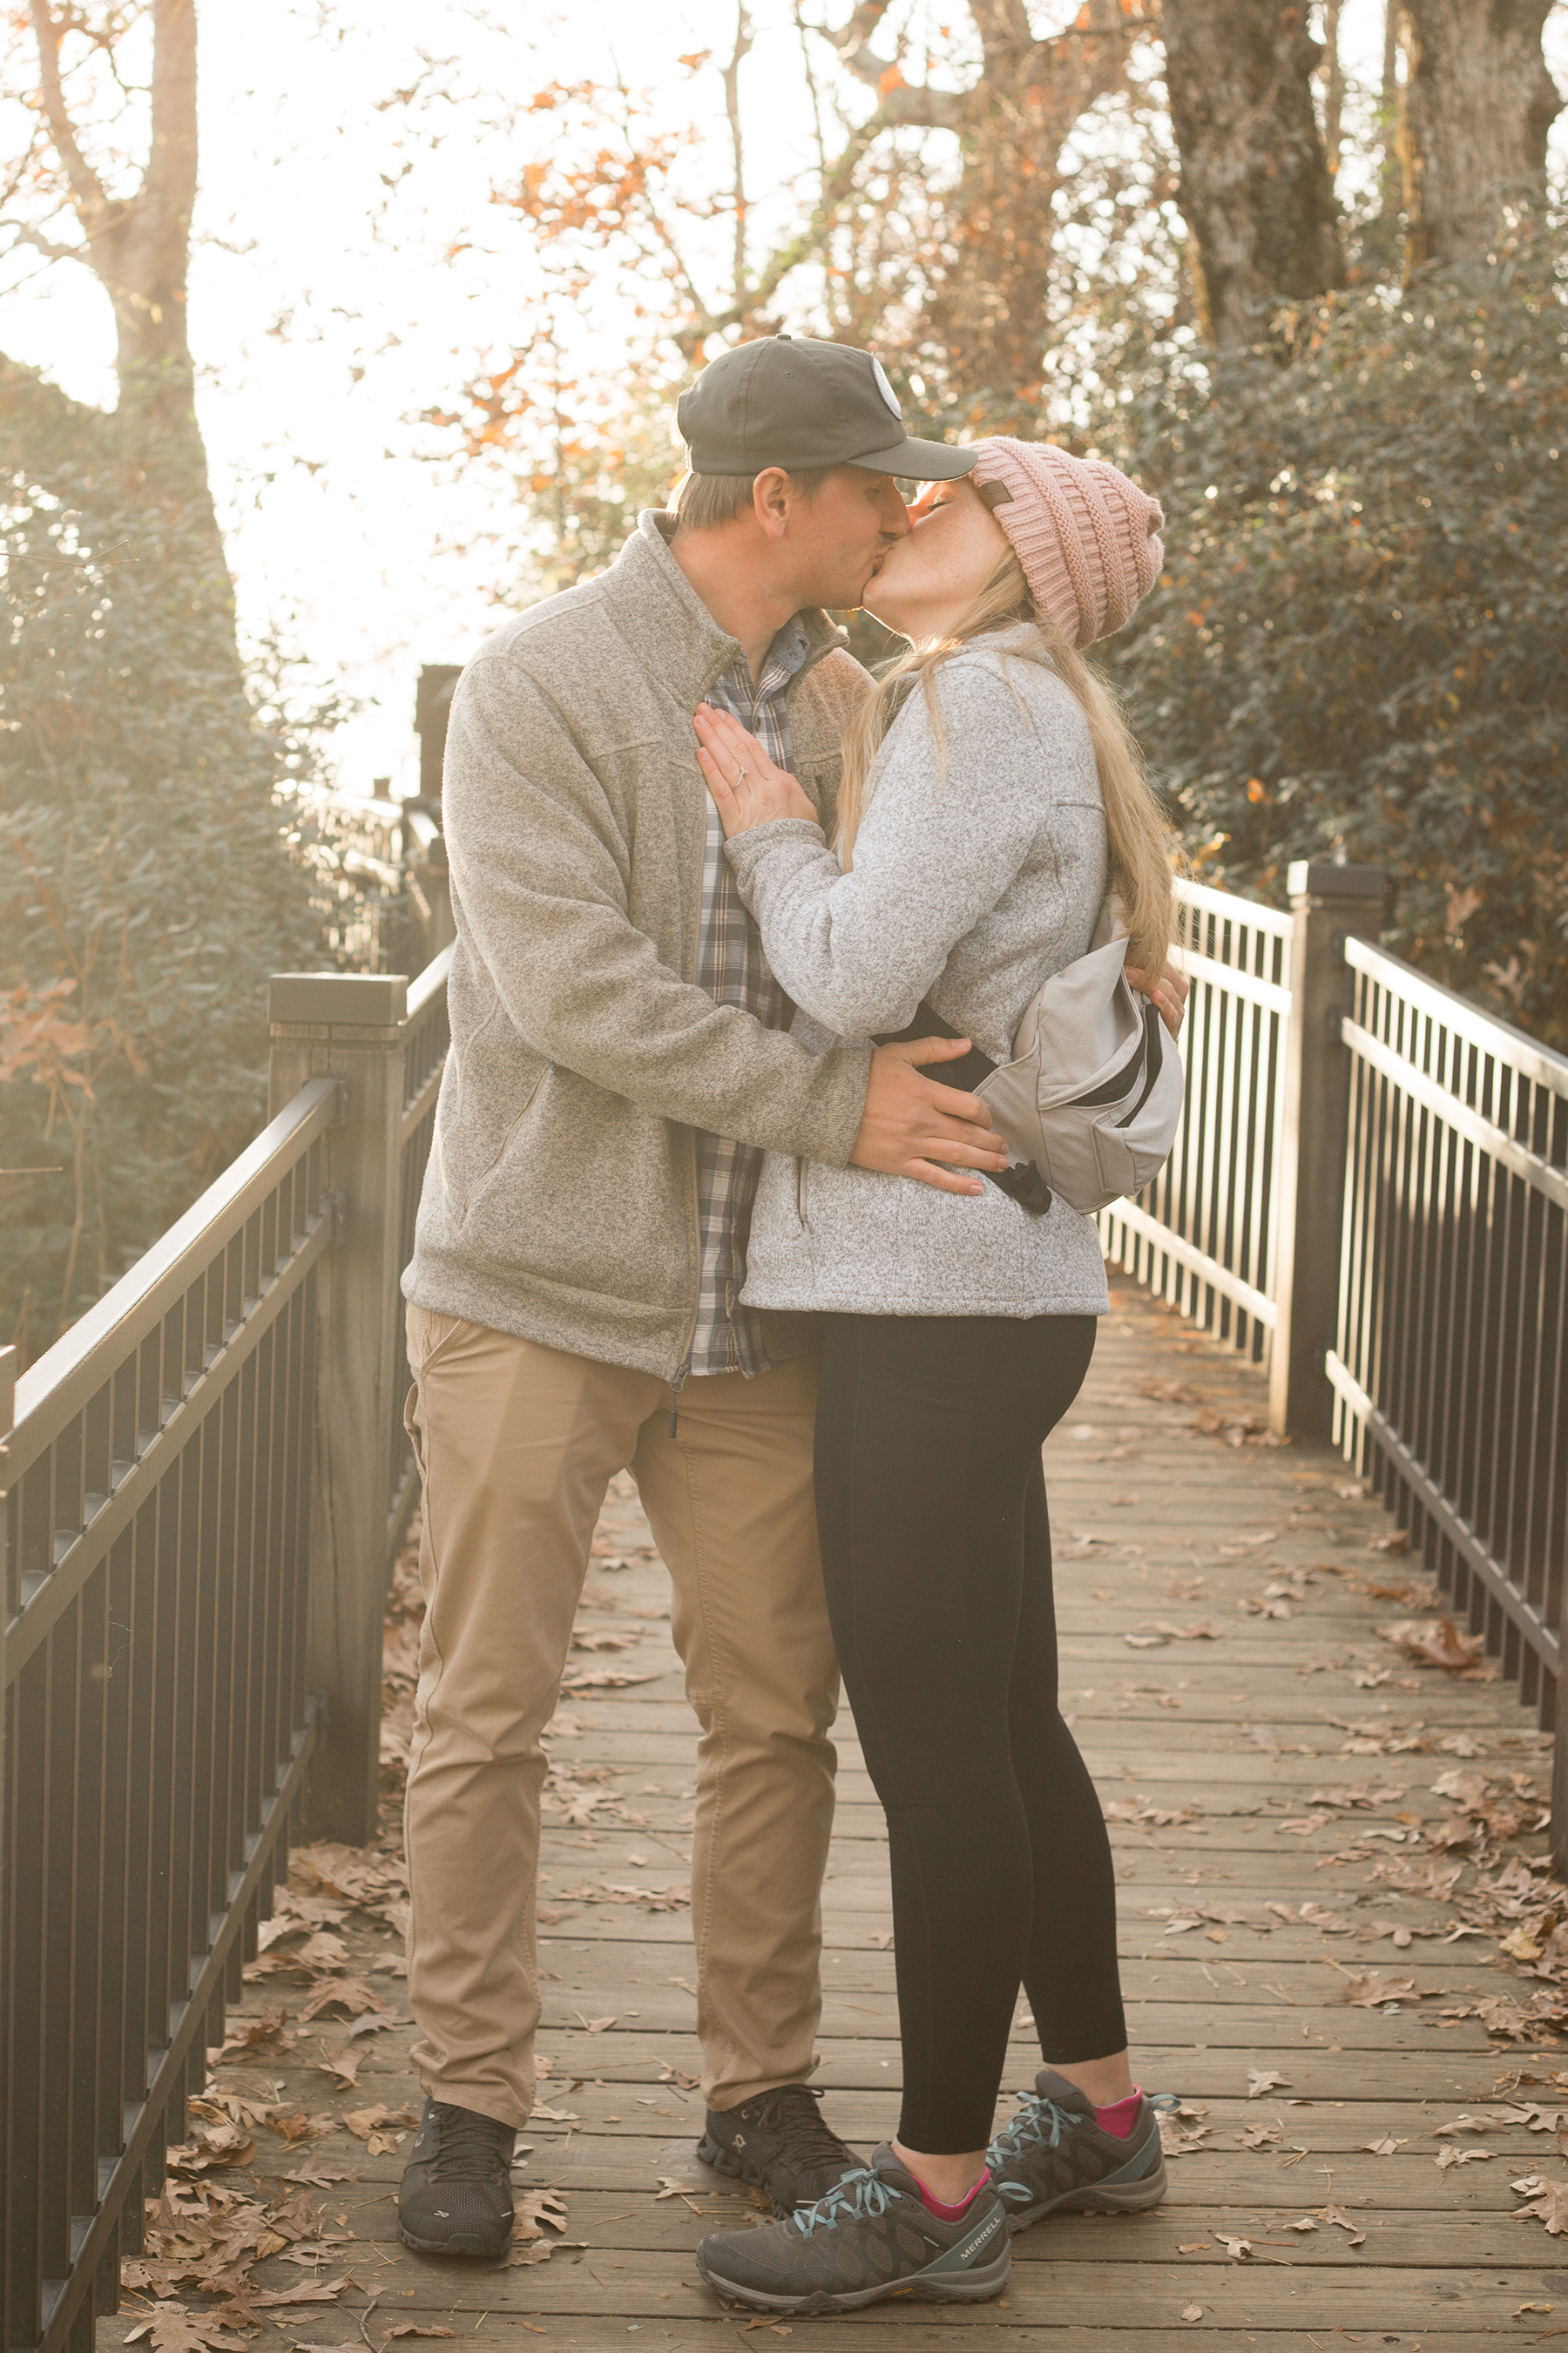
787 400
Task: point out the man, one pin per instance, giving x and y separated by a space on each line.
619 1063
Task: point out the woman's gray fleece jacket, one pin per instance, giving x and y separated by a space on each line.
976 875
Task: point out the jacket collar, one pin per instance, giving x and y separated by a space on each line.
669 626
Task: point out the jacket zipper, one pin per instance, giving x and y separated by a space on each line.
682 1372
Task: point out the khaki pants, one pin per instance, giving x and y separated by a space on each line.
517 1443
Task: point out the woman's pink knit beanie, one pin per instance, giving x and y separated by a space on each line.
1089 540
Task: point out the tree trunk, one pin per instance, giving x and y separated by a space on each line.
1256 191
1477 105
985 317
139 249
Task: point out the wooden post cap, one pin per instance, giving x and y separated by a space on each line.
344 1000
1319 878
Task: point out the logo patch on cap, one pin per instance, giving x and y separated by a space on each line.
886 389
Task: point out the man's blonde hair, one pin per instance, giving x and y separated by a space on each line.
708 501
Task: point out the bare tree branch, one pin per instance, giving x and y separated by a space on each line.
88 191
46 246
731 77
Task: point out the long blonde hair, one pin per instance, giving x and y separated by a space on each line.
1141 841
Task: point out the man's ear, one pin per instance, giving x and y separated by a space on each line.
771 498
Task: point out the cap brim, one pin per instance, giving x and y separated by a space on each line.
917 461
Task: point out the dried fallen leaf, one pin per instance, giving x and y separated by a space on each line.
1520 2308
1265 2079
1192 2312
1343 2222
412 2329
1451 2156
1370 1991
668 2189
1549 2207
1466 2124
254 2034
304 2294
537 2206
172 2329
555 2116
596 2025
1235 2248
1259 2135
1386 2146
351 1995
367 2123
1306 2224
1435 1642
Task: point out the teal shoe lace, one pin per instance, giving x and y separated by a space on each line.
1027 2130
860 2194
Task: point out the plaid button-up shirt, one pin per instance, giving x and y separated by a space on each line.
733 970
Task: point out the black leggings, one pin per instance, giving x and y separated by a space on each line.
936 1550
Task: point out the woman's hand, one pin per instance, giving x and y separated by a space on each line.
747 788
1166 991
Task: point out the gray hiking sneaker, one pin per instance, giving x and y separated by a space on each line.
455 2198
1053 2158
872 2236
778 2142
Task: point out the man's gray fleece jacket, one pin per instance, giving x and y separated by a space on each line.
560 1202
978 871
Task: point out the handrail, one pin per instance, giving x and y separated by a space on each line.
1234 908
1449 1366
1467 1019
430 983
1204 1233
158 1733
59 1384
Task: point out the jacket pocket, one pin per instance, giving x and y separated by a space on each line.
485 1174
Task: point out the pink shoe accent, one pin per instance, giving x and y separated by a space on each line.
951 2213
1120 2120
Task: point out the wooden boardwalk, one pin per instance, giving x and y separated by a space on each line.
1305 1817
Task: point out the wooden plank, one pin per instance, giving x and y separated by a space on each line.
1442 2263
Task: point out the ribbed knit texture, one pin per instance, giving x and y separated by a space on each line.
1089 540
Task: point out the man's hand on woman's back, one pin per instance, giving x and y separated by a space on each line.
913 1124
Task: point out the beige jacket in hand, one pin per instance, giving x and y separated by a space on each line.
560 1200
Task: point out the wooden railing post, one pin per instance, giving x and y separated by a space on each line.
1328 903
346 1026
8 1362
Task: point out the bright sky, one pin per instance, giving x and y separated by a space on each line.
315 260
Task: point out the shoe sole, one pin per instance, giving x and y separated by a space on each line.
977 2286
464 2243
1104 2198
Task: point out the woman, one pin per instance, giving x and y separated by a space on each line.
992 797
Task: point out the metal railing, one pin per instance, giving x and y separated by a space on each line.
1203 1235
205 1489
378 880
1449 1366
157 1725
428 1034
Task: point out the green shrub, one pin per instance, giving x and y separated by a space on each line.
145 890
1358 645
